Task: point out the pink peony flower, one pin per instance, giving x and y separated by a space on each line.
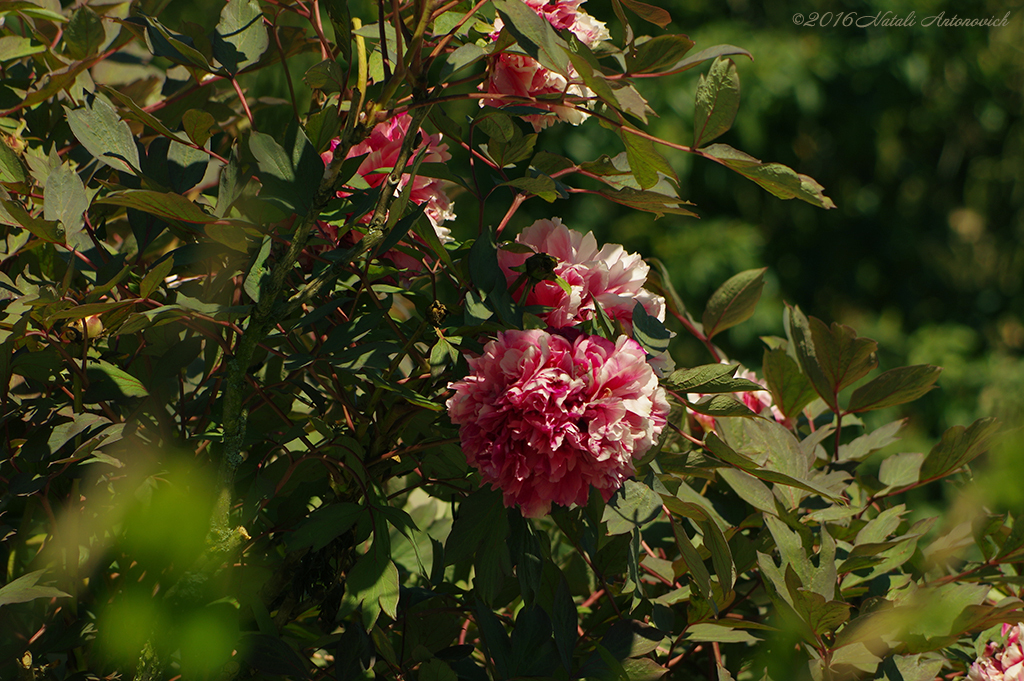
522 76
1003 662
609 275
381 149
758 401
546 416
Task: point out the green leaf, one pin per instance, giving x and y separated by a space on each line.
326 76
654 15
126 384
534 34
644 160
720 406
165 205
460 58
373 582
259 271
240 37
11 168
900 470
716 102
15 47
64 198
832 358
631 638
649 332
322 127
791 389
699 572
896 386
231 236
291 174
651 202
84 34
186 166
26 588
155 276
859 448
721 554
634 505
720 449
658 53
480 514
777 179
542 186
958 447
435 669
706 631
733 302
749 488
46 230
197 125
709 379
687 63
164 43
102 132
323 525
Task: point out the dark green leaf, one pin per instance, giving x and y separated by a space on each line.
480 514
534 34
84 34
791 389
240 38
373 581
197 125
495 640
291 174
777 179
155 276
721 555
186 166
323 525
542 186
733 302
44 229
165 205
958 447
708 379
896 386
720 406
651 202
109 139
659 53
460 58
259 270
126 384
749 488
699 572
634 505
707 631
655 15
716 102
326 76
165 43
687 63
649 332
231 236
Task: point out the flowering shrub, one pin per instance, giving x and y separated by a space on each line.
235 449
546 417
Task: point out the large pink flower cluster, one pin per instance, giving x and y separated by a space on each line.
381 149
1001 662
521 76
546 416
609 276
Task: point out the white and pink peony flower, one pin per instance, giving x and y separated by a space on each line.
1001 662
521 76
381 149
546 416
608 275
